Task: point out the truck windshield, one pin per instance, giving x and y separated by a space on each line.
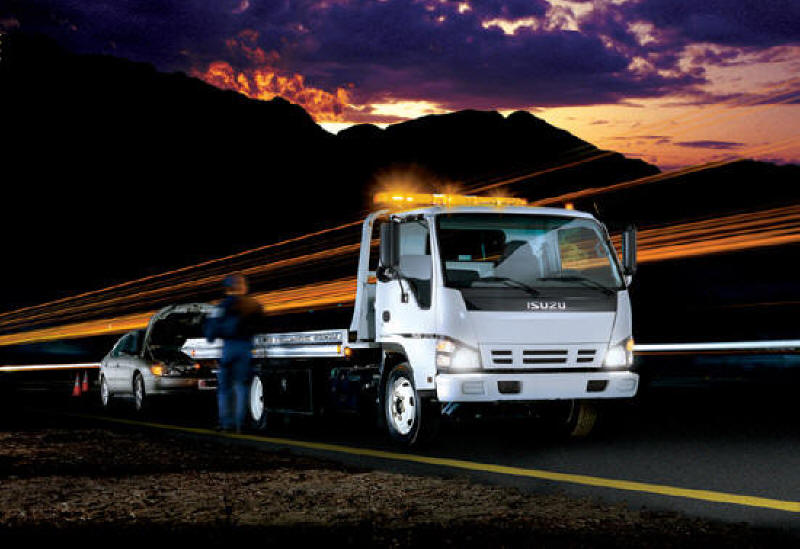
535 254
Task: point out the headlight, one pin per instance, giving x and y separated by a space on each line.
457 356
162 370
620 355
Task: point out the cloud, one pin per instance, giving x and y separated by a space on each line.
427 50
393 49
709 144
747 23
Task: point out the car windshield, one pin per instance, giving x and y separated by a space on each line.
529 253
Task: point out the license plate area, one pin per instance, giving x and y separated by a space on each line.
207 384
509 387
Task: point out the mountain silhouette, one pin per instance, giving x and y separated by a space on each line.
113 170
121 170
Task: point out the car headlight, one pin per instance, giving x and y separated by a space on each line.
620 355
456 356
163 370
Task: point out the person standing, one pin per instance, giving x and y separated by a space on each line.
235 321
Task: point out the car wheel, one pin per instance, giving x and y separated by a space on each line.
410 420
139 393
105 393
258 407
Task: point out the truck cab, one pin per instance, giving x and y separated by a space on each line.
493 302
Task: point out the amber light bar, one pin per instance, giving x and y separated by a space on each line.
406 200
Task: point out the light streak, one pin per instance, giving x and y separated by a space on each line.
312 296
727 347
697 238
780 345
50 367
701 245
594 191
186 268
525 177
64 312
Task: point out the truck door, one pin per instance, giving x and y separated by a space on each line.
403 305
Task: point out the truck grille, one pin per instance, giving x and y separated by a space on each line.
532 357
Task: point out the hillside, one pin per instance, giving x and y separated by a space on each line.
122 170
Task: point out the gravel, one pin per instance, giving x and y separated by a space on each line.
121 487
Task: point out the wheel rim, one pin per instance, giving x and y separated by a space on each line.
256 398
402 404
104 392
139 393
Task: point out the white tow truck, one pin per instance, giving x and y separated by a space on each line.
466 302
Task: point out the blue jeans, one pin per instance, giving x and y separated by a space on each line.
233 384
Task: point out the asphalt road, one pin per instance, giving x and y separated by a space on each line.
687 450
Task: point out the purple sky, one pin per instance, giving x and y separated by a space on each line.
616 65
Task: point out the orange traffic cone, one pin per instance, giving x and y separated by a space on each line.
76 389
85 385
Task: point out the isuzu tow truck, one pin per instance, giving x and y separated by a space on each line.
464 302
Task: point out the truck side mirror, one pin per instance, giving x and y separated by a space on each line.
629 252
390 246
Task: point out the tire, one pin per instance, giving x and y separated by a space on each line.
105 394
140 401
583 419
572 419
256 404
409 419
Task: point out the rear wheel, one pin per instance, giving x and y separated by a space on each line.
409 418
258 407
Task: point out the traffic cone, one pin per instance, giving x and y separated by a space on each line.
85 385
76 389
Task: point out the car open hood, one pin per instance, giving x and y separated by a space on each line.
174 324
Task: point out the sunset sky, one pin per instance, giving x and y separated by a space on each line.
674 82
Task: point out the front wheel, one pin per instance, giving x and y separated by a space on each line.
409 419
105 393
571 418
139 393
258 407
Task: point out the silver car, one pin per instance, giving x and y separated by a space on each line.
149 362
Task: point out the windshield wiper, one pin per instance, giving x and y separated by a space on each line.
588 282
530 290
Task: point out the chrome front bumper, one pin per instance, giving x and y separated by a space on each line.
170 385
492 387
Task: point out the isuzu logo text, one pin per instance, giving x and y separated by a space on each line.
547 305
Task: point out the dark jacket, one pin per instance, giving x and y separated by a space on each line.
237 319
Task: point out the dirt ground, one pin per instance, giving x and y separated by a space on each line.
118 487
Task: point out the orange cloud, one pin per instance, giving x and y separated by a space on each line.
262 79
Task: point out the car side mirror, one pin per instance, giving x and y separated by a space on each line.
389 247
629 253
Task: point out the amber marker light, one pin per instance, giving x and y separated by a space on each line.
157 369
407 199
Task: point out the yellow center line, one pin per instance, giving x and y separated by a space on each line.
586 480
